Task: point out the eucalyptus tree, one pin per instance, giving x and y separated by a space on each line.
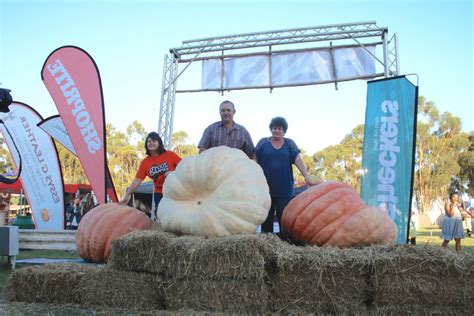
342 162
125 151
440 146
70 166
180 145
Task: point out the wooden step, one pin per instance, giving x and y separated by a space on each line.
48 240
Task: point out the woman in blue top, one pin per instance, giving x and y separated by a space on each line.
276 155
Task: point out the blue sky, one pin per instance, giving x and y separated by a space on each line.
128 41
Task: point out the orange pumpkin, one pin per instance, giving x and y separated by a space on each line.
104 224
332 214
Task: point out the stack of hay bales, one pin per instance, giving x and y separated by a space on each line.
256 273
204 274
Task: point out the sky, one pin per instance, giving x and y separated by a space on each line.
128 40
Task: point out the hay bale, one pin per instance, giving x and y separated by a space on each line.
239 257
117 288
319 280
423 276
142 251
419 310
50 283
231 296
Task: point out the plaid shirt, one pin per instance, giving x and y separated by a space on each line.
237 137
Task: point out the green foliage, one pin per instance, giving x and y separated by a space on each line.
342 162
440 146
180 147
71 166
466 162
310 166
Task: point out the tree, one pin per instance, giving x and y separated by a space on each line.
70 166
440 145
466 162
125 152
309 164
180 147
342 162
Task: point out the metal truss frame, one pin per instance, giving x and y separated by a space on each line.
248 43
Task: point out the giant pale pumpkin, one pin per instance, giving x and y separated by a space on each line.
219 192
102 225
332 214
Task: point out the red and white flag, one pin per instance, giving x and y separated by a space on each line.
73 80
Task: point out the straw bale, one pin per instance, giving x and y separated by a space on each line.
50 283
319 280
235 296
419 310
117 288
421 276
142 251
236 257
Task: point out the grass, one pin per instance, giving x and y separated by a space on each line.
431 236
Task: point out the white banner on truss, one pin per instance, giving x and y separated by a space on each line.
289 68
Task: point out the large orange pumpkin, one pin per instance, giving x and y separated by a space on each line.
102 225
332 214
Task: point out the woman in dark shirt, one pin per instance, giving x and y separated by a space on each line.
276 155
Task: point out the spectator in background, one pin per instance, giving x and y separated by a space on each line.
468 214
69 212
452 224
226 132
76 214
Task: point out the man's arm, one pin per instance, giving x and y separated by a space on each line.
204 142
